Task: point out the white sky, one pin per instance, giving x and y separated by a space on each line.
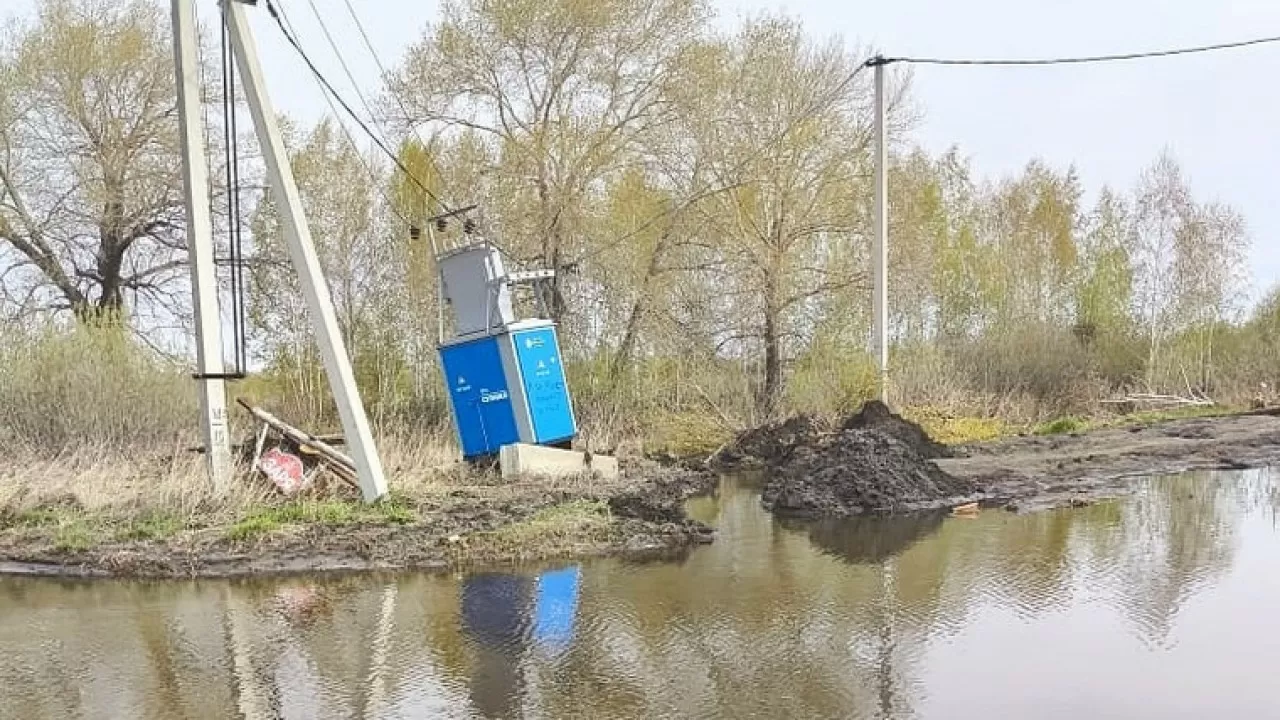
1219 113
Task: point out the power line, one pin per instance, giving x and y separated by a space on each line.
364 164
707 191
385 75
382 69
1078 60
324 28
275 15
880 60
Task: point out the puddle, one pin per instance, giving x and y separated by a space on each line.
1155 606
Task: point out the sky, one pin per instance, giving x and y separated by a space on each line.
1218 113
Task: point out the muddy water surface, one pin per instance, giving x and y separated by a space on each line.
1160 605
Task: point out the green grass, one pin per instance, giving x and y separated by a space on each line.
551 527
395 510
251 527
957 430
1062 426
73 536
41 517
1073 424
70 528
330 513
152 526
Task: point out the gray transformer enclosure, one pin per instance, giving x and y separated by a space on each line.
474 283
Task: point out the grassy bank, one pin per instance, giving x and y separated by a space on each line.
452 518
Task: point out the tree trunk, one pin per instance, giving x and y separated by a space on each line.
772 390
638 310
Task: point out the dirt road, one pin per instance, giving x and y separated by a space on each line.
1037 472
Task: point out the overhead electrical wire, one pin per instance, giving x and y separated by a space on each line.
326 92
324 28
1080 60
706 190
882 60
386 81
293 41
382 69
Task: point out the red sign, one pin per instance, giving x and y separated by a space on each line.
284 469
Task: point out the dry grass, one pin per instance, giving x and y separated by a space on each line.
98 479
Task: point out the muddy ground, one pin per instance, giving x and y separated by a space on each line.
871 463
876 462
640 516
1038 472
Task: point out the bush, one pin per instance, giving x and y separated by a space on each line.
831 379
91 386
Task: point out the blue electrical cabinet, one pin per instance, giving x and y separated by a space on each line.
479 396
508 387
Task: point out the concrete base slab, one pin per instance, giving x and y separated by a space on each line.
519 459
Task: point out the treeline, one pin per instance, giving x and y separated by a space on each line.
704 197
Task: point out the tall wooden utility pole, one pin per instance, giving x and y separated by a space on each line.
880 243
204 281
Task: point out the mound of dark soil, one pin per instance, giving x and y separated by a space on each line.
873 461
770 444
875 415
858 471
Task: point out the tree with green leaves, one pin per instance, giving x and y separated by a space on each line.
782 128
562 92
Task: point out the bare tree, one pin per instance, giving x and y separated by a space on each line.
90 190
1161 206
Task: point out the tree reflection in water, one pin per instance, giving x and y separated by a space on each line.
775 619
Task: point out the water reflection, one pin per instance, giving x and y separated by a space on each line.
869 539
1067 613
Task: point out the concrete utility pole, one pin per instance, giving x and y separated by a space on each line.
880 245
204 282
355 425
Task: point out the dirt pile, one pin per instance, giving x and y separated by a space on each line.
871 461
858 471
875 415
770 444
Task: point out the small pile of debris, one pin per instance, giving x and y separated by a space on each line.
874 462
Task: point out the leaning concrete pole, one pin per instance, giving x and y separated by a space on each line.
355 425
204 281
880 244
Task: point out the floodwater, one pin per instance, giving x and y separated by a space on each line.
1160 605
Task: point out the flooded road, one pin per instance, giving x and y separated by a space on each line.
1160 605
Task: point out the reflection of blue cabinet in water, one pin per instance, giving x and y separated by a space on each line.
503 618
508 387
556 607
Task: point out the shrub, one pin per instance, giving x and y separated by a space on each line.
91 386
